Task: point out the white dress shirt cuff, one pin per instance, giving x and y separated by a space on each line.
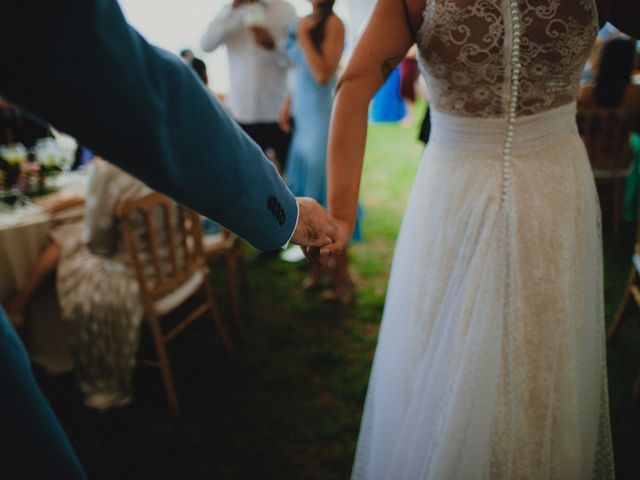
286 245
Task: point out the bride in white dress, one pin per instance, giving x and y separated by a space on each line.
490 361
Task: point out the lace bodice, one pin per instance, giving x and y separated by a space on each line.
467 54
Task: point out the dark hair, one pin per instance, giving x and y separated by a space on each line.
616 66
200 68
186 53
317 32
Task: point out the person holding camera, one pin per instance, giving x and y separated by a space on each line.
253 32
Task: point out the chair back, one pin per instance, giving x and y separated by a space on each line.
164 240
606 134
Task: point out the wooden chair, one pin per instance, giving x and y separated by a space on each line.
228 247
606 134
165 243
631 295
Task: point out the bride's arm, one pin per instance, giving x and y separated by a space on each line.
388 36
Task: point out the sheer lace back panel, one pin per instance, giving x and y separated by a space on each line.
466 53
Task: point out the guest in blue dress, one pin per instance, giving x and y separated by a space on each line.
315 47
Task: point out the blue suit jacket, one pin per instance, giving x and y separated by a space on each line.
77 64
80 66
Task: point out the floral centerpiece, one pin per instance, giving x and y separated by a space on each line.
12 157
26 173
51 157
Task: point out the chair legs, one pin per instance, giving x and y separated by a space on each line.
616 207
165 367
232 289
217 321
160 341
242 266
631 293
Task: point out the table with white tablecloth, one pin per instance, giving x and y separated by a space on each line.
24 232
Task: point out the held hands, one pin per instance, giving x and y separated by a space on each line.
340 242
325 256
321 236
316 228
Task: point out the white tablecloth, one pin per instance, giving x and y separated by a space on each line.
23 234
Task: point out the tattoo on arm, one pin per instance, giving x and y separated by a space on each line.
388 65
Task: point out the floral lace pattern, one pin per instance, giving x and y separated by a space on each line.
465 44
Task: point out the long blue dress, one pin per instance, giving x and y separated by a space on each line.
311 105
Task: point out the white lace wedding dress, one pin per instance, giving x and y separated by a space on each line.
490 362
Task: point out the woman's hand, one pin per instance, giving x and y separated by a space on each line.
325 256
343 234
284 116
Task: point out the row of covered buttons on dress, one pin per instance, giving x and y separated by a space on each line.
513 98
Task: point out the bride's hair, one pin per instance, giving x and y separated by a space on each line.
614 74
317 32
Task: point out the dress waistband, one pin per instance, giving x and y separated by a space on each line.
460 131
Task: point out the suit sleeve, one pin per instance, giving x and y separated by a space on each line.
80 66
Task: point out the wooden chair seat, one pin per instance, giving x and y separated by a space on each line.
218 244
174 299
606 133
164 241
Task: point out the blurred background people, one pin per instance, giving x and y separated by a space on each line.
97 288
200 68
253 32
315 47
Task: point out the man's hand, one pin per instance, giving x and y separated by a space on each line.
263 37
316 228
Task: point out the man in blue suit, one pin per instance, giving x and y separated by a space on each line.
82 68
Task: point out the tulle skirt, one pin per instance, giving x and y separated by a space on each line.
490 361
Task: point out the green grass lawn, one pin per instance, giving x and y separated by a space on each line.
290 407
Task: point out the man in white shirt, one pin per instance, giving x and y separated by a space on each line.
253 32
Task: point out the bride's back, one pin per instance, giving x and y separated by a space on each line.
473 50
